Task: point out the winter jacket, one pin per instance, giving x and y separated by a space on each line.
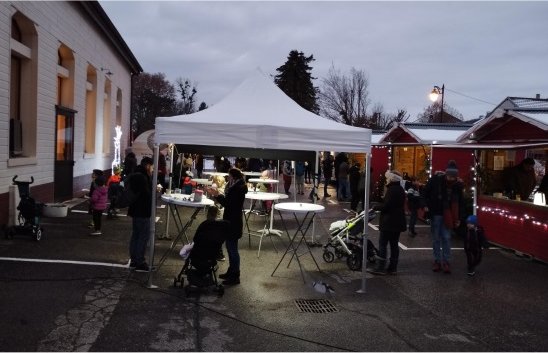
445 199
99 198
233 202
141 184
392 218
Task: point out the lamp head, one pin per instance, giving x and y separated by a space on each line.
436 91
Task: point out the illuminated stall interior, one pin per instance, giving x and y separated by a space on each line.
411 147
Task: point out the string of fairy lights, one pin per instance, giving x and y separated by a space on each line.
524 217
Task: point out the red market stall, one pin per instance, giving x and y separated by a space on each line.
501 141
413 148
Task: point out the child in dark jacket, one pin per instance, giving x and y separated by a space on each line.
473 243
98 203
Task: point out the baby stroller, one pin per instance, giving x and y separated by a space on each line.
201 267
30 212
346 240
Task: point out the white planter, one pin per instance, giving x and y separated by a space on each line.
55 210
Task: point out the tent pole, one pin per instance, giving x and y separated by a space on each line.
166 231
365 220
294 182
313 192
152 234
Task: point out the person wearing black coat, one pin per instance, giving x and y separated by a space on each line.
140 183
391 223
233 203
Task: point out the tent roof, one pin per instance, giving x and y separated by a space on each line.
257 114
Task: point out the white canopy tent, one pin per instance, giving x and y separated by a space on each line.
258 115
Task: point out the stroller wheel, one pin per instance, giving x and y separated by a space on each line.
220 290
339 253
328 256
37 232
354 262
178 283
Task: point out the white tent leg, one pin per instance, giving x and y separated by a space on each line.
171 148
152 235
365 221
313 239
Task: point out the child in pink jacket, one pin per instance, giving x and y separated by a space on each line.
98 203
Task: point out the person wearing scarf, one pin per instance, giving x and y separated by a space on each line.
232 201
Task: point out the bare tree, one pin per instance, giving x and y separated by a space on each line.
345 98
187 90
433 114
379 120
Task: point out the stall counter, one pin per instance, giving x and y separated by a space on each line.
518 225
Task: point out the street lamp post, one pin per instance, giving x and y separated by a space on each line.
436 91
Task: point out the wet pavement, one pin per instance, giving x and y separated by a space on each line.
77 294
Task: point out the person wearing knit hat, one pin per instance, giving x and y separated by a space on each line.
452 169
391 223
444 196
473 243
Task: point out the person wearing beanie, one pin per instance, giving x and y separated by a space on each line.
444 198
473 243
391 223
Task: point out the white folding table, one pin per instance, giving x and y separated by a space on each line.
309 210
267 230
174 201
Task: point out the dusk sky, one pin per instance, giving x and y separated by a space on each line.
484 50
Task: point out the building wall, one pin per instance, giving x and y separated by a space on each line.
57 23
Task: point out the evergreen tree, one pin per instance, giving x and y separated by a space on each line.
295 79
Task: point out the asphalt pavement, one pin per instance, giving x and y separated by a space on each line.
74 292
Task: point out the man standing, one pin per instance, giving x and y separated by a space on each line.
140 184
327 166
445 202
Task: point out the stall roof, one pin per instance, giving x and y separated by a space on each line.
424 134
258 115
536 118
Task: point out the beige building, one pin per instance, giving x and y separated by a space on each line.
65 83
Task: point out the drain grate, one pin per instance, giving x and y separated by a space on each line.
318 306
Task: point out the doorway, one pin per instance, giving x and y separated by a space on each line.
64 154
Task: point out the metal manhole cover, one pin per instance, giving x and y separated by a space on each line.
318 306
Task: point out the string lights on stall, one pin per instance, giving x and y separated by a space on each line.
523 218
389 155
474 187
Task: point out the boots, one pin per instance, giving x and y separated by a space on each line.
379 267
392 267
230 278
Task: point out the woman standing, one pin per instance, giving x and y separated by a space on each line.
391 223
233 202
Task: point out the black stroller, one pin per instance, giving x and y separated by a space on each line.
30 212
346 240
201 267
